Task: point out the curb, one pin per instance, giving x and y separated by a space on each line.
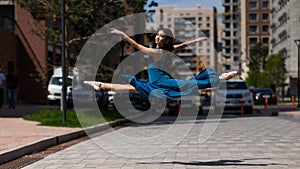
34 147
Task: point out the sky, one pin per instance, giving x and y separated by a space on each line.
190 3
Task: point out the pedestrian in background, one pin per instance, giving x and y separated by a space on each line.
12 87
2 84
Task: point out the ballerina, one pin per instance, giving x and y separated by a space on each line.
158 79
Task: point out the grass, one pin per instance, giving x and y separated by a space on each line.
53 117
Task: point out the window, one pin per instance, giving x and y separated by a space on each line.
199 25
7 16
252 41
252 5
206 33
235 42
235 25
265 4
235 50
208 18
265 16
236 59
252 17
235 16
208 25
191 19
265 28
227 34
253 29
227 25
265 40
200 19
227 43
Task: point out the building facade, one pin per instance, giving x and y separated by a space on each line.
23 52
256 21
231 36
188 24
285 29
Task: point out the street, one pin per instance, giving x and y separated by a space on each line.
257 141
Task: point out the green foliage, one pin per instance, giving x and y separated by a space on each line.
266 70
258 79
82 19
53 117
276 70
257 61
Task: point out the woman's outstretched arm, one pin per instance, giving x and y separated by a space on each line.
111 86
185 44
151 51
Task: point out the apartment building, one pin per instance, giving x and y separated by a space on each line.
188 24
285 29
231 35
256 21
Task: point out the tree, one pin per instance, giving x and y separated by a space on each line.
276 71
82 19
257 61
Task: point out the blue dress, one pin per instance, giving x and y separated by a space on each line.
161 85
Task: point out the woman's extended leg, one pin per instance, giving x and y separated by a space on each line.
209 78
111 86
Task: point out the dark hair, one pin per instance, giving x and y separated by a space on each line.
169 39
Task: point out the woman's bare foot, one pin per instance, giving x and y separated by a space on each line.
227 76
96 85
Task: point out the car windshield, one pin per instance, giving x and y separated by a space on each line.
236 85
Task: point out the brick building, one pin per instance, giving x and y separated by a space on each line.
23 52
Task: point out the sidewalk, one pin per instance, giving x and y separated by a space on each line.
19 137
15 131
291 114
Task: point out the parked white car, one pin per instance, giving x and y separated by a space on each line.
232 95
55 89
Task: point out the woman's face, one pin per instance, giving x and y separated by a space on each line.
160 38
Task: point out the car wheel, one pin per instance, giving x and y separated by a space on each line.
174 111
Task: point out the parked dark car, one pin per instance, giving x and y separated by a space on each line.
260 95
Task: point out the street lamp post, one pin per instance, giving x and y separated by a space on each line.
63 64
297 41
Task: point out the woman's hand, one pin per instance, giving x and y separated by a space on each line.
116 31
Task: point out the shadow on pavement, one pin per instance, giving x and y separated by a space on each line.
242 162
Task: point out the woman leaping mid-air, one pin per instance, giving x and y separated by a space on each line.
158 79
